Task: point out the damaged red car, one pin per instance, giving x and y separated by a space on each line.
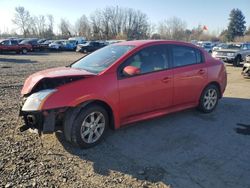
121 84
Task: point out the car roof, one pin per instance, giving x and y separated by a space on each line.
138 43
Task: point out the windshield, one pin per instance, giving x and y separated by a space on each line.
102 59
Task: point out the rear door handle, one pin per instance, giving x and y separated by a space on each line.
202 71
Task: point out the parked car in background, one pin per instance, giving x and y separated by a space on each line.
79 40
8 45
233 53
89 46
246 68
121 84
40 41
56 45
45 45
219 46
33 42
108 42
206 45
70 45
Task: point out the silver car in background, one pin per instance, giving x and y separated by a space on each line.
233 53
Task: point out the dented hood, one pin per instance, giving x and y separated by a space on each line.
33 79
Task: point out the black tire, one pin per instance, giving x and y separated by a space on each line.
24 51
237 61
85 51
78 126
204 100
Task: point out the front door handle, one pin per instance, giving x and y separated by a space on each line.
202 71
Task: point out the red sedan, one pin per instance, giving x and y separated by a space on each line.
121 84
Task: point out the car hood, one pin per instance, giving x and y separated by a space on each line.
228 50
59 72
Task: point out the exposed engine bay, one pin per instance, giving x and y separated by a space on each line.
44 121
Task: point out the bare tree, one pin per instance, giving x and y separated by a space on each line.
33 28
136 24
41 25
115 22
172 28
49 33
22 20
97 31
82 27
64 26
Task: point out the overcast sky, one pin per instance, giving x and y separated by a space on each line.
212 13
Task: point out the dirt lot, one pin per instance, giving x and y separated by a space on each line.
185 149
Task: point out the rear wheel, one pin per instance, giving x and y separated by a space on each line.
209 99
89 127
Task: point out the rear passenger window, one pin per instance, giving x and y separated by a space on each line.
183 56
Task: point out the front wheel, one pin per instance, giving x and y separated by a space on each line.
90 126
209 99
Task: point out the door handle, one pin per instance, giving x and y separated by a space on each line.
166 79
202 71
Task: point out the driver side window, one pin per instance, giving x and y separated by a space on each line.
150 59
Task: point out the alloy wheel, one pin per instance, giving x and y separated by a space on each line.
210 99
92 127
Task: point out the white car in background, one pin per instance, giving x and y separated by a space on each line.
56 45
79 40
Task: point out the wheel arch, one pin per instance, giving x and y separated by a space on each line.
71 114
107 107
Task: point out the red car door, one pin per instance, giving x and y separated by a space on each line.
152 89
190 74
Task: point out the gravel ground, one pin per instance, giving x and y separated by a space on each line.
185 149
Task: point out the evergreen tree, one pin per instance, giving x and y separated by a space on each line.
236 27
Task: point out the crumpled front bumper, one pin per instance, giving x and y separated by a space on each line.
44 121
246 70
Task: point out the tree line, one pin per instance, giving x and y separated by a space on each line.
125 23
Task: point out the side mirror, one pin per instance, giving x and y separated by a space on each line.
131 71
